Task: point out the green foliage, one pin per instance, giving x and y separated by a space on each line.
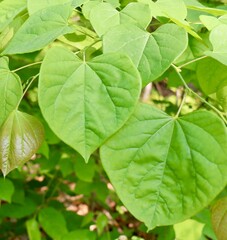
73 74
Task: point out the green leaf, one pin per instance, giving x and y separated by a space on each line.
35 6
7 190
53 223
209 21
10 90
104 16
188 230
101 223
84 172
213 11
211 74
222 96
21 135
32 227
151 53
163 168
9 9
80 235
86 102
219 47
87 7
40 29
219 218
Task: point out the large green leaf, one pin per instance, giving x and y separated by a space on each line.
40 29
151 53
53 222
9 9
219 218
104 16
86 102
165 169
21 136
218 38
32 227
10 90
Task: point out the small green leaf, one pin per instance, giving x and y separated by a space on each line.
40 29
211 74
21 135
151 53
84 103
35 6
53 223
219 47
9 9
219 218
188 230
10 90
101 223
32 227
104 16
209 21
7 190
82 234
222 96
163 168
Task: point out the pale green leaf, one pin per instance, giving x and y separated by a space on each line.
188 230
222 96
40 29
7 190
104 16
32 227
9 9
10 90
219 218
211 74
86 102
87 7
163 168
218 38
34 6
213 11
53 223
81 234
209 21
151 53
21 135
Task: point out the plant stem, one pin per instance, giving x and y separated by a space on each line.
181 105
178 70
26 89
25 66
192 61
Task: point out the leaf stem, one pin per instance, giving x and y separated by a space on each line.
26 89
192 61
25 66
181 105
178 70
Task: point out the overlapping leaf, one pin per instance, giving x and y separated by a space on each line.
86 102
218 38
163 168
20 137
151 53
10 90
40 29
104 16
9 9
219 218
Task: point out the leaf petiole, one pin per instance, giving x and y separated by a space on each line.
26 66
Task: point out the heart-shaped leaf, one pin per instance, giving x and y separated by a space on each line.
86 102
219 218
20 137
149 52
10 90
40 29
104 16
218 38
165 169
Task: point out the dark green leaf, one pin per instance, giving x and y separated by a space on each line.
7 190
